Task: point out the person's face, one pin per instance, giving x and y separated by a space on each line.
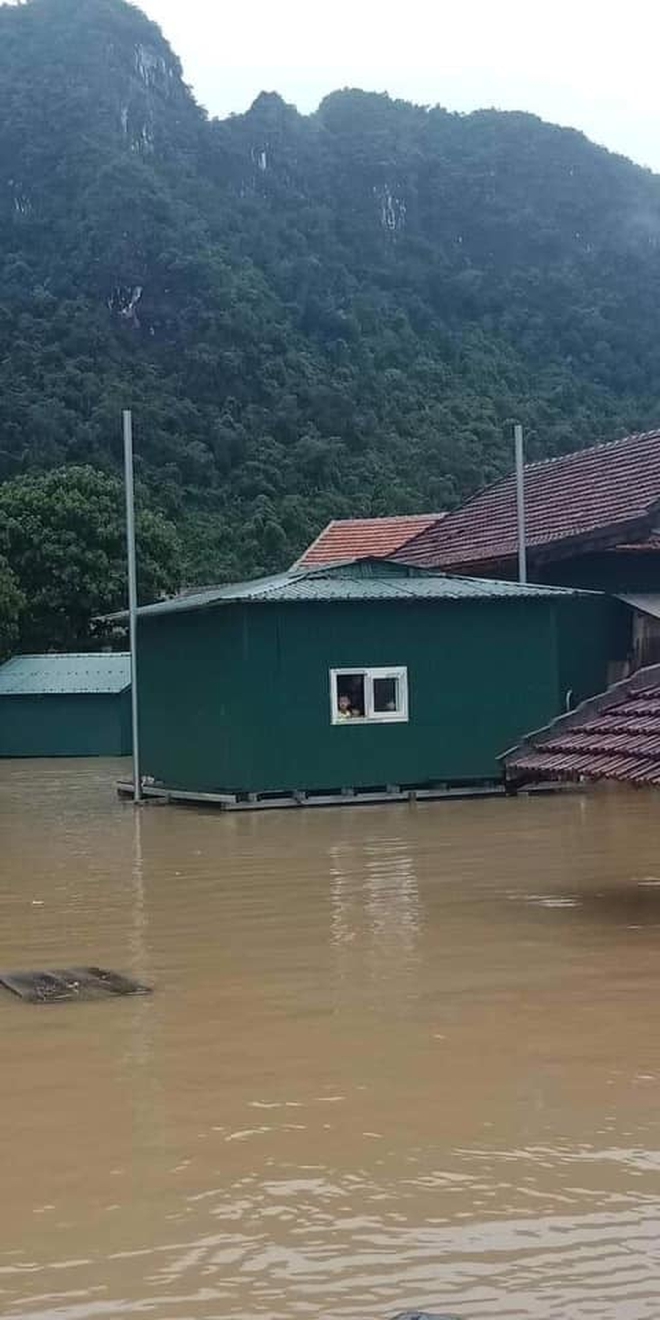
344 703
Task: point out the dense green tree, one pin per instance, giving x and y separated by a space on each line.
311 317
12 603
64 542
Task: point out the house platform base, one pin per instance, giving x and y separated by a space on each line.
317 798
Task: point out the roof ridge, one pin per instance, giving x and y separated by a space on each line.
275 583
509 477
379 518
399 517
549 462
588 449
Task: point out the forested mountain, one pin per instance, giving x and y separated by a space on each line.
311 316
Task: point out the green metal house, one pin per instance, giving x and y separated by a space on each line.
358 677
65 705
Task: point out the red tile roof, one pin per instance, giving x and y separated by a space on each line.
613 736
351 538
604 495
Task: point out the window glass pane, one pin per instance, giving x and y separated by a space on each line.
386 696
350 696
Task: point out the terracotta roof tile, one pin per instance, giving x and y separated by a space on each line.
351 538
613 736
608 494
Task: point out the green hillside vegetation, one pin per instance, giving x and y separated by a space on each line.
311 317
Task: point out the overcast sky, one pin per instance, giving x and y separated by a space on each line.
588 63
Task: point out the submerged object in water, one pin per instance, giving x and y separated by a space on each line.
82 983
424 1315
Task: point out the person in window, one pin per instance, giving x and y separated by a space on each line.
344 711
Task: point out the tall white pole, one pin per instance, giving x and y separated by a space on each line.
520 503
132 596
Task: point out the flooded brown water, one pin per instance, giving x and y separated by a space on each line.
400 1056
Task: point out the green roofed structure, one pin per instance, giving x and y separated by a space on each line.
65 705
368 677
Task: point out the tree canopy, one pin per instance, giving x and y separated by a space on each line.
311 316
63 533
12 604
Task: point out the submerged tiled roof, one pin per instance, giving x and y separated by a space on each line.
49 675
613 736
607 494
360 580
649 546
348 538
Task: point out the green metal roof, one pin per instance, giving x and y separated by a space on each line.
47 675
354 581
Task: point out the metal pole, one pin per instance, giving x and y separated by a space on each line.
520 503
132 596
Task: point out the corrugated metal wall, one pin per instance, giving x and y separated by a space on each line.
71 725
237 698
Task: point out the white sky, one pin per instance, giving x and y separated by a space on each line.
592 64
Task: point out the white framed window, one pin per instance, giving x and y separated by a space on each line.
369 696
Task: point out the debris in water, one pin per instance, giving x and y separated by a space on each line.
424 1315
83 983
